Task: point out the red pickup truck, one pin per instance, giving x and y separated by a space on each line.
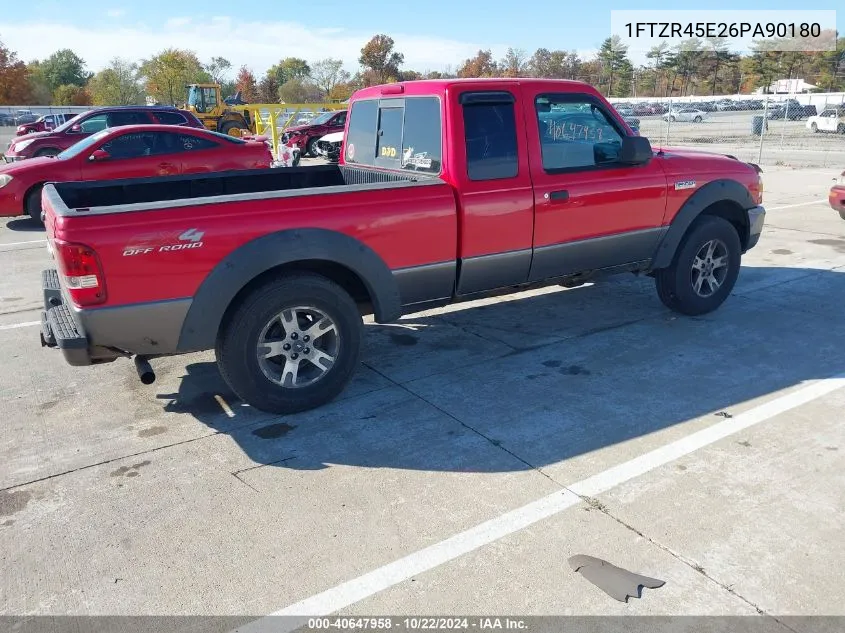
446 190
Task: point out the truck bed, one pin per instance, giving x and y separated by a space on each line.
149 193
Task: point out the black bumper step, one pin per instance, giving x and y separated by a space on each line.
52 289
64 330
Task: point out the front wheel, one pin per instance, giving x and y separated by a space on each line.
292 344
841 128
814 127
704 269
697 119
234 129
671 119
311 148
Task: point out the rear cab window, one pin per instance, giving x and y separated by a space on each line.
402 134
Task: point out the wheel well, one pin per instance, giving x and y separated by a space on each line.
341 275
733 213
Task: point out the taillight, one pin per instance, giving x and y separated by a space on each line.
82 273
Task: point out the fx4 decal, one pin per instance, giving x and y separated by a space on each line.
163 242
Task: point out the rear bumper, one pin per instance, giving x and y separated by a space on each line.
94 336
756 219
59 327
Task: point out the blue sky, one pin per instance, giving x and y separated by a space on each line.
433 34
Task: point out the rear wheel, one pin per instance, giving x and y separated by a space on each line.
704 269
32 204
841 128
697 119
292 344
814 127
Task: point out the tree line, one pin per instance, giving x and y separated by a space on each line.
697 67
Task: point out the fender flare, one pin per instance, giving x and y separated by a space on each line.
244 264
711 193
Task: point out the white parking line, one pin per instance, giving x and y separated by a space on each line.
800 204
426 559
22 243
15 326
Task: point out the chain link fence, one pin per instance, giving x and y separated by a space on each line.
800 130
805 130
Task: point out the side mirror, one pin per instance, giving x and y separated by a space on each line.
76 129
636 150
98 155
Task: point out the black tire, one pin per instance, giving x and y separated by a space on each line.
842 214
311 147
675 283
841 128
237 344
813 127
32 204
671 119
697 119
227 127
47 151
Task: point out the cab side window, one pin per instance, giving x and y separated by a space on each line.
576 133
490 135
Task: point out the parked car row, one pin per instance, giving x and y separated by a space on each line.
121 142
45 123
52 142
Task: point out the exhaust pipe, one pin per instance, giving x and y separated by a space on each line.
144 369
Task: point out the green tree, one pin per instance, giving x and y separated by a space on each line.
298 90
268 89
378 55
290 68
657 55
328 73
15 88
514 63
40 89
64 68
218 68
117 84
554 64
613 56
167 74
71 95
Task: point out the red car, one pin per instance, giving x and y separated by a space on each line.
305 137
836 197
45 123
447 190
127 152
52 142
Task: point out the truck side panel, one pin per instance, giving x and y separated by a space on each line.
408 227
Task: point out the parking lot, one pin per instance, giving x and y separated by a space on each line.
478 448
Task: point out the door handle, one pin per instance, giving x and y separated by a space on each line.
559 196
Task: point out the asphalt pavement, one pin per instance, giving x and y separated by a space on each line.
478 448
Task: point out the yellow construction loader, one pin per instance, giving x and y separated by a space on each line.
205 100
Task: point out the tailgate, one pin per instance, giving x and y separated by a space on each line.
48 196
